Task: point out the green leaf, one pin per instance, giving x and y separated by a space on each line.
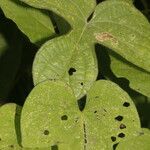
51 117
62 60
17 147
128 1
140 142
8 131
34 23
134 30
72 11
139 79
122 28
73 61
107 118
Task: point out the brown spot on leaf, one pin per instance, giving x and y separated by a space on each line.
105 36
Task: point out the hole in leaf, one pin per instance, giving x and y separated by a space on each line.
99 1
90 17
126 104
64 117
54 147
71 71
46 132
81 83
119 118
113 138
11 146
122 126
115 146
81 103
95 111
121 135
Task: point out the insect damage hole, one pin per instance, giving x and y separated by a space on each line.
54 147
119 118
90 17
46 132
11 146
115 146
95 111
126 104
113 138
71 71
121 135
64 117
82 83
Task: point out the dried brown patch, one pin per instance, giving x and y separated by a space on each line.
105 36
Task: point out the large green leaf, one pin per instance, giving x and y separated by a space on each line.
64 61
107 118
8 132
139 79
51 117
109 16
66 57
119 26
32 22
141 142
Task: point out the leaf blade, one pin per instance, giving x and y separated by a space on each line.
26 18
106 115
51 102
132 40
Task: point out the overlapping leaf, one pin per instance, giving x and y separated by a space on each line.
119 26
32 22
75 65
67 58
51 117
114 24
139 79
140 142
8 132
107 116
